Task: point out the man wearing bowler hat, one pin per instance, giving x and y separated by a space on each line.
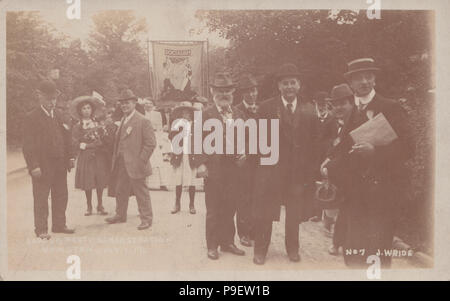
372 177
134 144
48 155
223 174
287 181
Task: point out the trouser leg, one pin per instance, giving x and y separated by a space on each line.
212 215
143 199
291 235
263 233
59 196
123 189
41 190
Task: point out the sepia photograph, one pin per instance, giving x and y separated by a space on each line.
222 140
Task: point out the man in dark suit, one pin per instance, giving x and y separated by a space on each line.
248 91
48 155
372 177
287 181
323 120
223 174
134 144
342 104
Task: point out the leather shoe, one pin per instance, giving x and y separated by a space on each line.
144 225
245 241
43 236
192 210
64 230
259 259
175 209
213 254
231 248
294 256
115 219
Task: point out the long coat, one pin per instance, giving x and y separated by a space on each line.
291 177
372 186
37 141
139 138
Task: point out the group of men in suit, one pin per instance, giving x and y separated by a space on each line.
312 145
369 177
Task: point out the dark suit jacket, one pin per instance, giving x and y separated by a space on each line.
379 179
37 140
215 162
287 180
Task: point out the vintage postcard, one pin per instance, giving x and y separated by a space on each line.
224 140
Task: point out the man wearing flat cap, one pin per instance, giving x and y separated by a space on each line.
48 155
223 174
287 181
134 144
372 177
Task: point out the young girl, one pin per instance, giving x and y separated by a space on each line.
184 165
92 164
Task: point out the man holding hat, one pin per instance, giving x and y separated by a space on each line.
134 144
287 181
372 177
223 174
48 154
342 104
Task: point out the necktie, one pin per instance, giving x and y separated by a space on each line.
290 108
340 125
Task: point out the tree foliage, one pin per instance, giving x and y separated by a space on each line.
112 59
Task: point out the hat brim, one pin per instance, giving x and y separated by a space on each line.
95 102
128 98
180 109
223 87
374 69
340 98
281 76
246 87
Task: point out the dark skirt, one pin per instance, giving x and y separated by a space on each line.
92 170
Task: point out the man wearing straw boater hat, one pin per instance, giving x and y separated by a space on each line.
223 174
134 144
372 177
288 180
48 154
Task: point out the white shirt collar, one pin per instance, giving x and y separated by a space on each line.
294 103
129 117
49 114
219 108
320 116
364 100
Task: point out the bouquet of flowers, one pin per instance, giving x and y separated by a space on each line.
93 133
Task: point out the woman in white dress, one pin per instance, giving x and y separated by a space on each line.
184 165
